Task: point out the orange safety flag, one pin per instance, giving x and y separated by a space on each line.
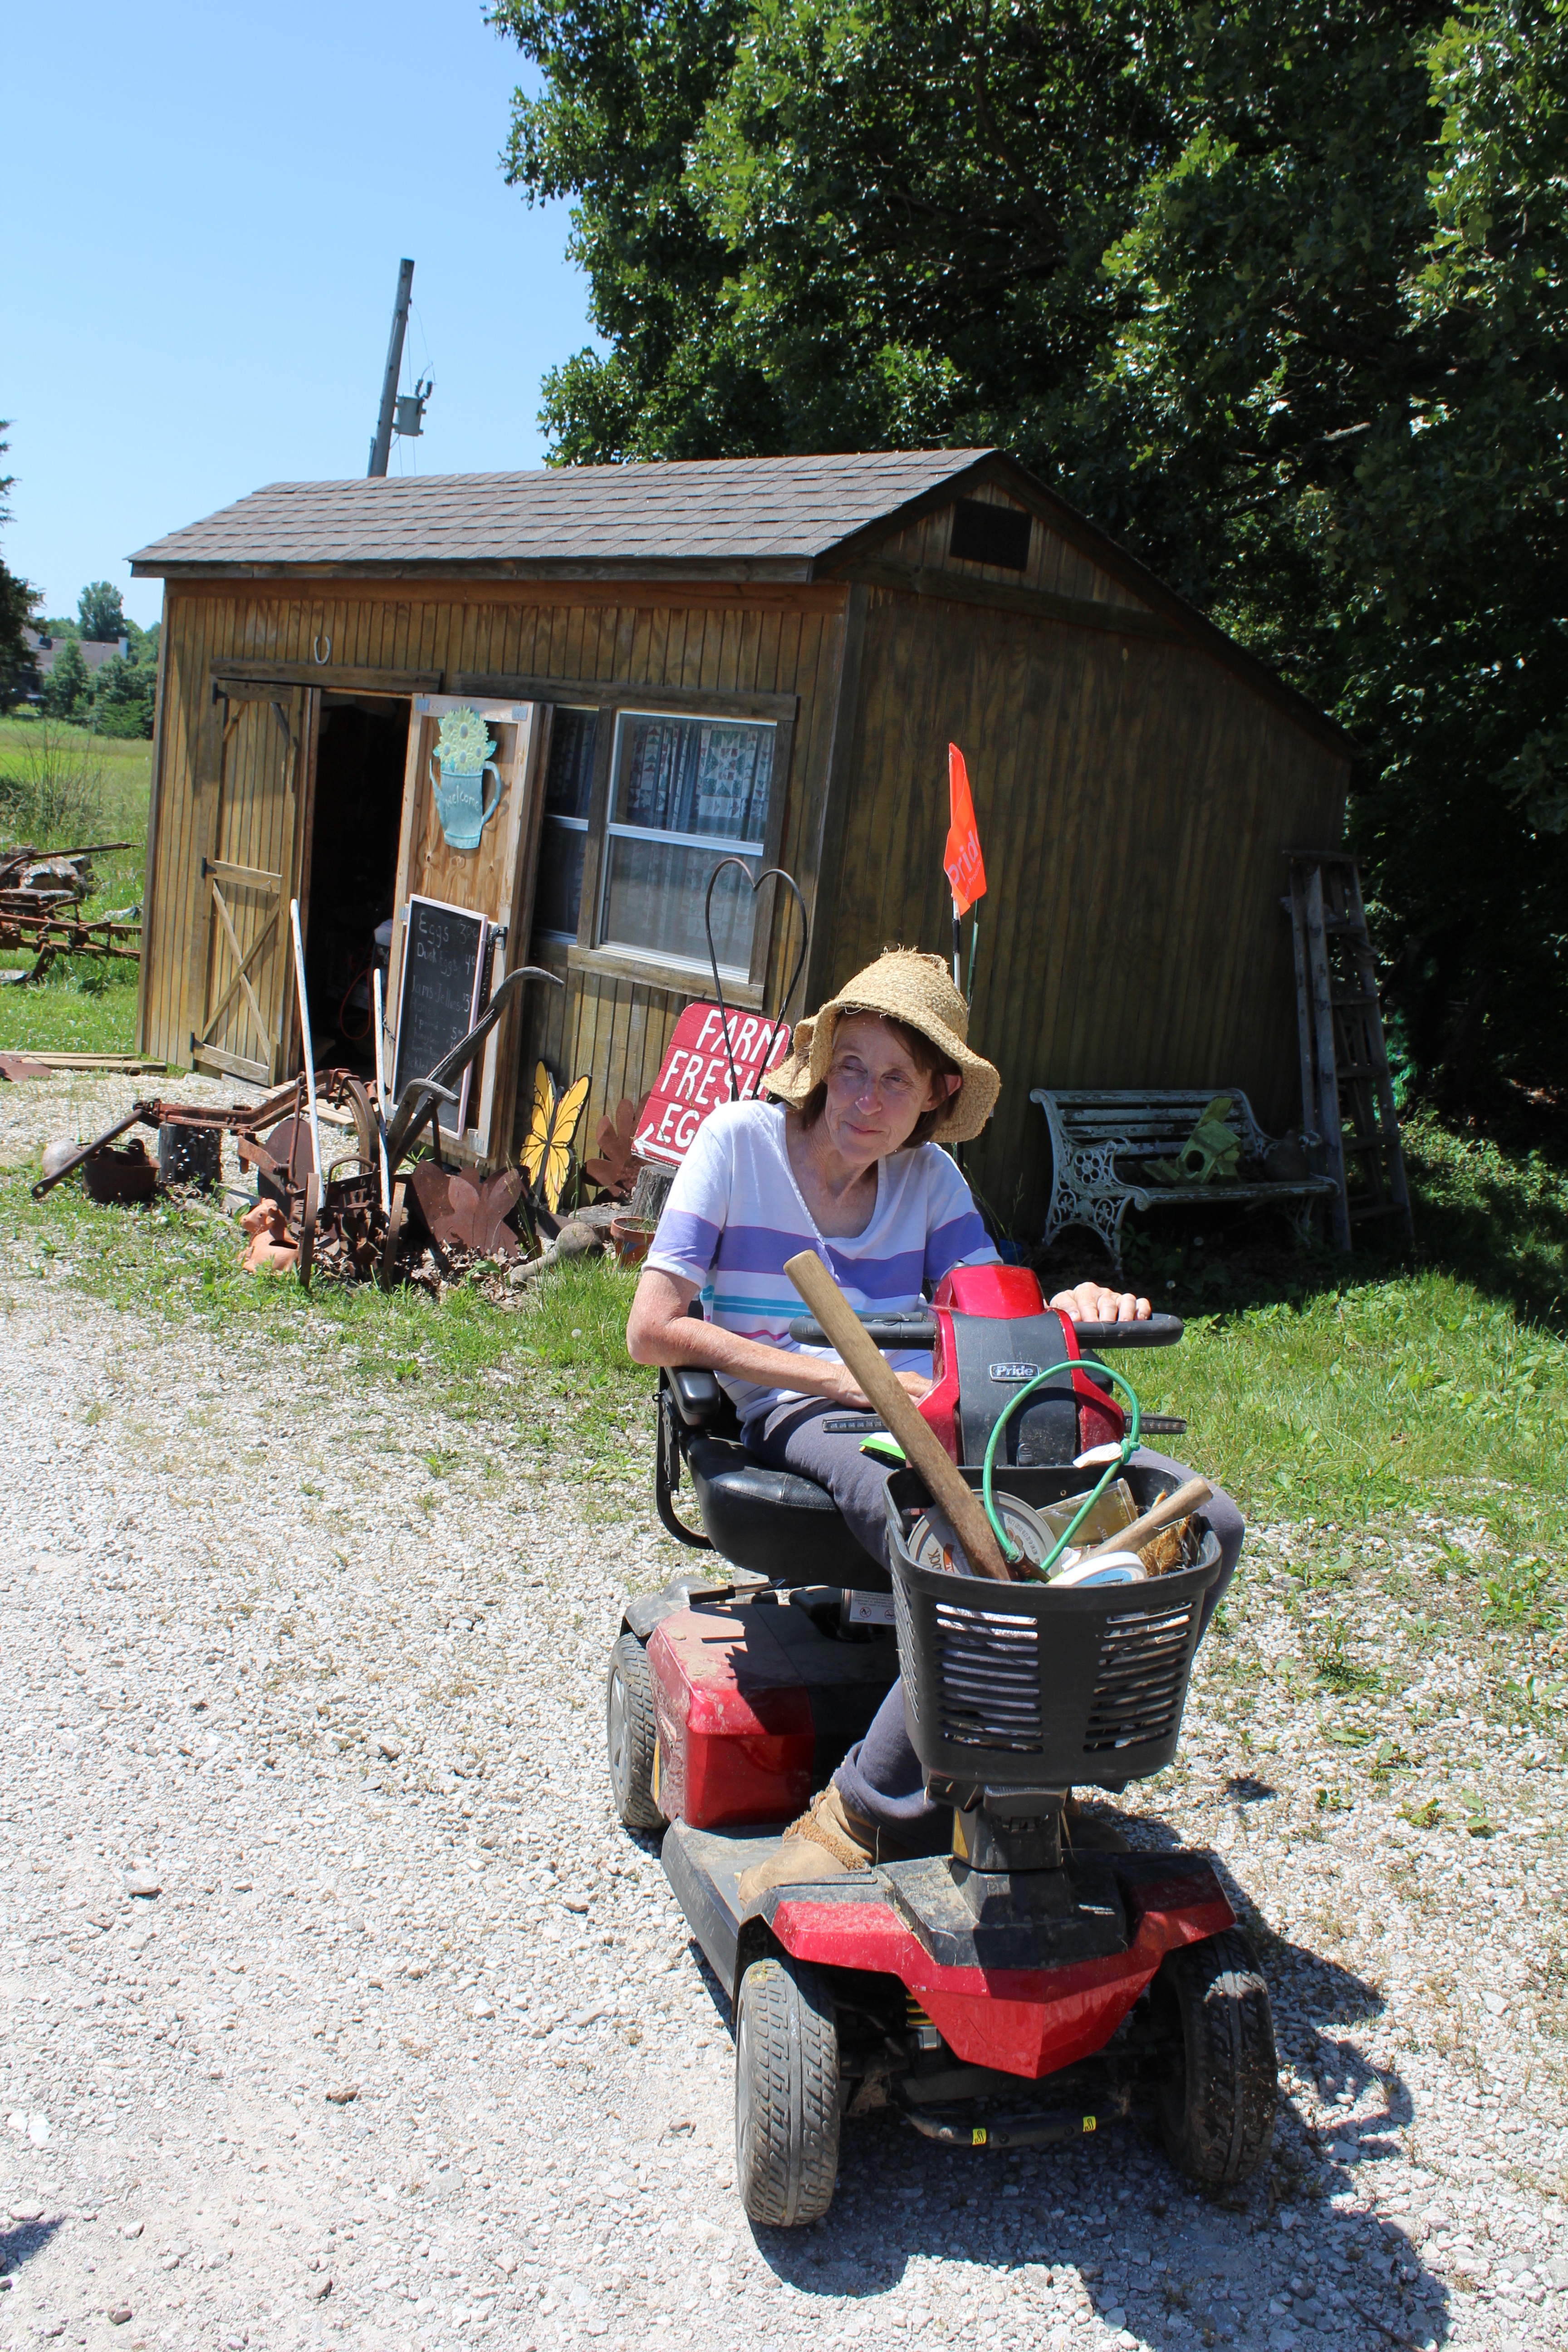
961 861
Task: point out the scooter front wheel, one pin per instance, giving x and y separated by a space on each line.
630 1734
787 2094
1219 2100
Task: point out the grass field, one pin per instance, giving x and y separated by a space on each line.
1351 1394
87 1006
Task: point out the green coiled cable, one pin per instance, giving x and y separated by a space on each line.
1128 1446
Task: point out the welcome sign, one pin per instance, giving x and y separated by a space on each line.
694 1076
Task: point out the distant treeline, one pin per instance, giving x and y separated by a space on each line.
119 695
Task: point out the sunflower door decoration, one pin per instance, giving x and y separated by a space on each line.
547 1153
464 756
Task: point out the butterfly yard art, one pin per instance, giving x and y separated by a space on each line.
461 1207
615 1167
547 1153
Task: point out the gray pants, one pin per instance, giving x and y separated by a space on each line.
880 1778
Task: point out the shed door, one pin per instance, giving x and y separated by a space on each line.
248 834
494 878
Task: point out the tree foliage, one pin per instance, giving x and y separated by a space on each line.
67 683
1274 292
120 697
101 612
19 602
125 691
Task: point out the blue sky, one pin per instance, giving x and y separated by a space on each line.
206 207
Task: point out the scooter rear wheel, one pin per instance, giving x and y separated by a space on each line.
787 2094
1217 2104
630 1734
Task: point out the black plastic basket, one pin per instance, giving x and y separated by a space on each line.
1027 1685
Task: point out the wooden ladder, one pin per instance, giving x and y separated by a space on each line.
1347 1095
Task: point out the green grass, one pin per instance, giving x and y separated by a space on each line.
1376 1397
1353 1394
84 1005
1376 1401
1497 1214
501 1370
1346 1401
1373 1389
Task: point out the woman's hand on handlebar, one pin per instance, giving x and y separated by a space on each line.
1096 1302
844 1390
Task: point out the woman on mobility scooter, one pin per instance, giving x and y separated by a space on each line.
844 1163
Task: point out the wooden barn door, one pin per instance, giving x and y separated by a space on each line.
248 831
495 879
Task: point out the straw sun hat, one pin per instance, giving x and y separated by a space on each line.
914 987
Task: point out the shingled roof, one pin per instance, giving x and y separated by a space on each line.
739 518
768 516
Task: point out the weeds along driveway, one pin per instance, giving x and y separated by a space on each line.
305 1619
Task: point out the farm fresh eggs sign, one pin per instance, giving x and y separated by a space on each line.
694 1076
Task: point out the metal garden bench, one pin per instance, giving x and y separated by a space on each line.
1101 1143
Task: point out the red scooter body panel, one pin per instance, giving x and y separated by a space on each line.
1004 1293
1023 2021
1001 1294
735 1736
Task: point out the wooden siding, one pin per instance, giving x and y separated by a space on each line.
730 640
1134 799
1134 796
1055 567
247 828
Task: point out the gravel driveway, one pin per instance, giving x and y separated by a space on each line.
341 2010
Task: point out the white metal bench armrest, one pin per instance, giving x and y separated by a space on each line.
1092 1130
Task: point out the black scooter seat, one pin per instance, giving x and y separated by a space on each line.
776 1523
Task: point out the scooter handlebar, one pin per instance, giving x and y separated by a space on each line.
917 1330
1153 1331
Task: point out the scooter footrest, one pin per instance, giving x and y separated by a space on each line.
1082 1921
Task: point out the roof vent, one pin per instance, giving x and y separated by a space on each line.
988 534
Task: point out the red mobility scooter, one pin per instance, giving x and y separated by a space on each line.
1019 1990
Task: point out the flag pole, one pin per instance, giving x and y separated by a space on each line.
973 945
957 946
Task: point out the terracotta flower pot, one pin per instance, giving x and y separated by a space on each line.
633 1238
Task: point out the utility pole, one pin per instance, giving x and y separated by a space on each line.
382 445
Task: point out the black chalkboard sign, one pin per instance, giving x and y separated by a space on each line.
438 997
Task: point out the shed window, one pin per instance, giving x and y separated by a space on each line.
558 892
686 792
987 534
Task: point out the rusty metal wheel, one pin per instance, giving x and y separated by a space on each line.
349 1092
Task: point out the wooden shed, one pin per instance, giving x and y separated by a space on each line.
676 662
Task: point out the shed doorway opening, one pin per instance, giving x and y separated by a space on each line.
362 747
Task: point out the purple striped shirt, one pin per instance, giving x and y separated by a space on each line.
735 1215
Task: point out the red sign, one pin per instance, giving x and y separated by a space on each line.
965 866
694 1076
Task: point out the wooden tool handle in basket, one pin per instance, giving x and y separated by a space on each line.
920 1442
1162 1514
